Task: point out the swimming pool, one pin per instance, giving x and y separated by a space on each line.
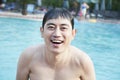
100 40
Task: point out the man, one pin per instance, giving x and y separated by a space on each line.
56 59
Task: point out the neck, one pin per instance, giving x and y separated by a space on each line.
57 60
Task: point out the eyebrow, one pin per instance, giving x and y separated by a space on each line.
65 25
60 24
50 24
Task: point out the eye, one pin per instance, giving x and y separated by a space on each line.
51 27
63 28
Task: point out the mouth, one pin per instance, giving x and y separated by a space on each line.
57 41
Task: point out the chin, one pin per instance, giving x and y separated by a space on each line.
56 51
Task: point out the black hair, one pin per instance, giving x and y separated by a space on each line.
58 12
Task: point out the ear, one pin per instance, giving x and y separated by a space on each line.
41 30
73 33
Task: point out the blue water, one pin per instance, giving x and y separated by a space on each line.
101 41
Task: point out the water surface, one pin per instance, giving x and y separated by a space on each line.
101 41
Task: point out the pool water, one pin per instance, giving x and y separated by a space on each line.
101 41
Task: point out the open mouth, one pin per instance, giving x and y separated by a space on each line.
57 41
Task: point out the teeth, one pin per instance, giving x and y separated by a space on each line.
56 41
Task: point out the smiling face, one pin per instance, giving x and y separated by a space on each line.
57 34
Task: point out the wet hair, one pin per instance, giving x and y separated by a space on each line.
56 13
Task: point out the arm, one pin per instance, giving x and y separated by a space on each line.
88 69
23 68
87 6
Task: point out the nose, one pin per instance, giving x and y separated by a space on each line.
57 33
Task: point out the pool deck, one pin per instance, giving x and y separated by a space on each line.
19 15
39 17
94 20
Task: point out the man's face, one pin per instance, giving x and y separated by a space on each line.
57 34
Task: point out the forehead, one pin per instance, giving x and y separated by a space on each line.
59 21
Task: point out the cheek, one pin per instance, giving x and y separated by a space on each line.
68 36
47 34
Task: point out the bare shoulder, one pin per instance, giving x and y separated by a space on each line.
23 67
85 63
77 52
29 52
81 56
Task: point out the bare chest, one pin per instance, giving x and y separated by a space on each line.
45 72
